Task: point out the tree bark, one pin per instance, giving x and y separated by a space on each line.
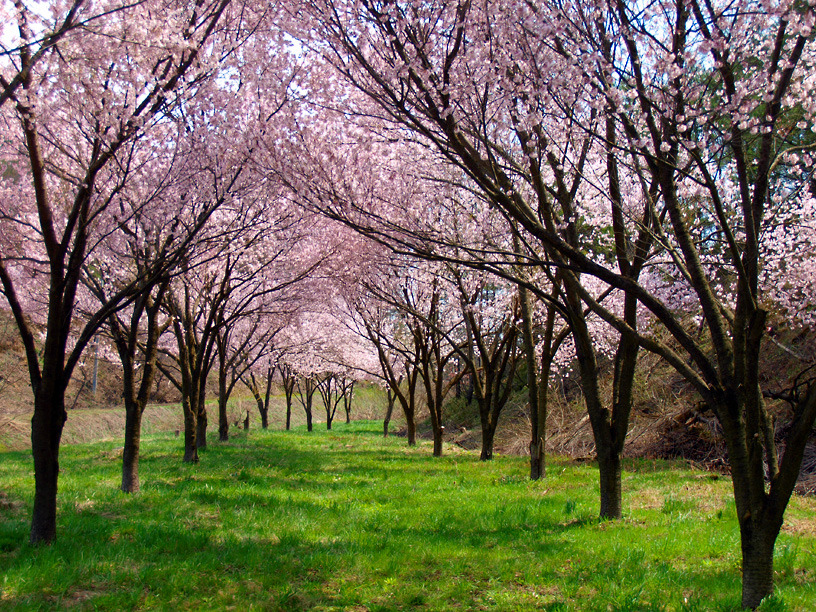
223 424
537 464
389 411
130 453
201 424
46 431
488 434
610 468
190 430
437 441
411 425
757 561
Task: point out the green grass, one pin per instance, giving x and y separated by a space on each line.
346 520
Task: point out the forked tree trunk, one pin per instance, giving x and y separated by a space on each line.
46 431
264 415
263 410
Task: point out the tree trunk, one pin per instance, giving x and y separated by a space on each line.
201 424
307 407
437 441
223 424
288 416
389 411
190 429
757 564
347 397
411 424
537 428
488 434
610 468
46 431
130 453
263 409
537 465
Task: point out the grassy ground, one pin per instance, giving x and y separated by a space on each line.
346 520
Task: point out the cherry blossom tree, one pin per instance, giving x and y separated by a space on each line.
73 116
39 36
490 311
543 106
260 386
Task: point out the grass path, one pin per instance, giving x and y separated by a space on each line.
346 520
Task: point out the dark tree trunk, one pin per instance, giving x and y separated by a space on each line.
389 411
757 561
190 430
130 453
309 419
223 394
348 392
201 424
411 425
488 434
537 465
289 391
223 424
263 409
437 441
135 399
610 470
267 396
46 431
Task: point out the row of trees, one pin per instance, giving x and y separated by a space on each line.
643 158
546 183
